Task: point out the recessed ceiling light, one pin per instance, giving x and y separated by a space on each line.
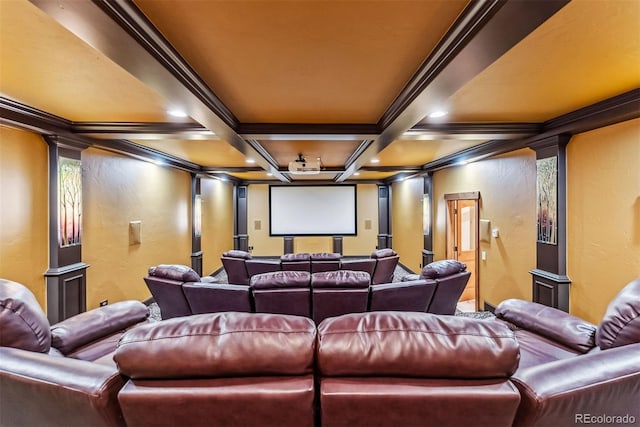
177 113
437 114
356 174
375 160
251 161
269 174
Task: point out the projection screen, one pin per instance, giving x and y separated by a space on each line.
312 210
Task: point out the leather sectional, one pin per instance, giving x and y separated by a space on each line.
180 291
240 266
532 366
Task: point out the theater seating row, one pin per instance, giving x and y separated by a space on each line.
533 366
179 291
240 266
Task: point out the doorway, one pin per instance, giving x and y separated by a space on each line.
462 242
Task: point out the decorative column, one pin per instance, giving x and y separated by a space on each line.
384 217
427 215
550 281
66 275
196 224
240 236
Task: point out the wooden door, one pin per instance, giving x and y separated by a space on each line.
462 241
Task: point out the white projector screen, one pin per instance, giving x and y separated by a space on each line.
312 210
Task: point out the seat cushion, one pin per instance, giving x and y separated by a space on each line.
340 279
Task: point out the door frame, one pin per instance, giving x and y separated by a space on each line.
474 196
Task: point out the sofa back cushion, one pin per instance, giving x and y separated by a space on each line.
235 253
23 324
340 279
442 268
218 345
325 256
179 273
281 279
418 345
621 322
383 253
303 256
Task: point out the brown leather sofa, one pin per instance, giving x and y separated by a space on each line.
240 266
62 374
572 371
180 291
529 367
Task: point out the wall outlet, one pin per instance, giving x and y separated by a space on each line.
104 302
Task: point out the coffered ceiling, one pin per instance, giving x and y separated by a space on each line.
351 83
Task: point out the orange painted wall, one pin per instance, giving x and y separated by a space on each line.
24 195
507 186
117 190
217 222
406 221
264 245
603 216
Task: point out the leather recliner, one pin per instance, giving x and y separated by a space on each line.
450 277
325 261
234 263
296 262
180 291
339 292
570 368
222 369
402 296
283 292
386 263
63 374
413 369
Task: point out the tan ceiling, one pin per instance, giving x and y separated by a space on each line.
587 52
305 61
45 66
315 62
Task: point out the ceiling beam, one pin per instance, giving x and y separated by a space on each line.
308 131
482 34
123 34
143 131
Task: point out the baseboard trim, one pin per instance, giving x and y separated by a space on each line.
489 307
407 269
148 301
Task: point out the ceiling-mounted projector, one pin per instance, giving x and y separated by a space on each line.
301 166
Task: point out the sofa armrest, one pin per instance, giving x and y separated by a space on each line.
91 325
39 389
565 392
568 330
